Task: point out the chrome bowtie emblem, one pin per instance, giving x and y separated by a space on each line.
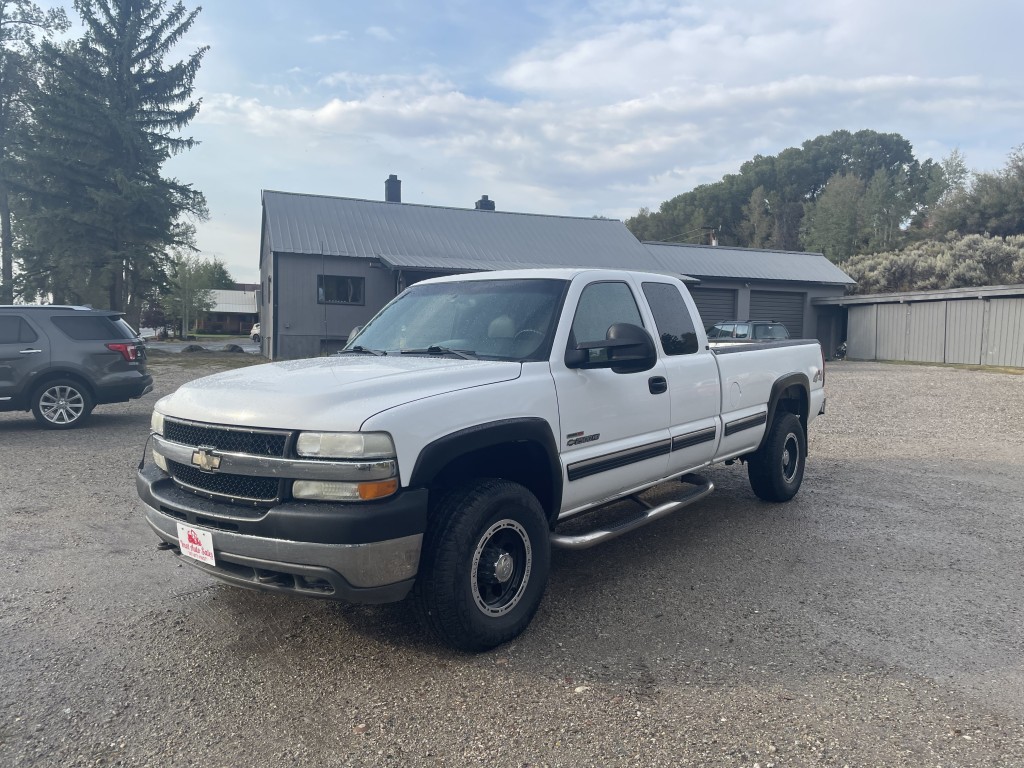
204 458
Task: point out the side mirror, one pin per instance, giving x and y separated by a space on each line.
629 349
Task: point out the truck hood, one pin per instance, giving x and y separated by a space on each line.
333 393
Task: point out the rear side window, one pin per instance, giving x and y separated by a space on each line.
93 327
14 330
675 326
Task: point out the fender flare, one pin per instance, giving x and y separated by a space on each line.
436 455
783 383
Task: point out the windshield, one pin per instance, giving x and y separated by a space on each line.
488 319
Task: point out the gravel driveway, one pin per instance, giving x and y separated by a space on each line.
877 619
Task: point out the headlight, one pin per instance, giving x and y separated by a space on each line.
345 445
156 423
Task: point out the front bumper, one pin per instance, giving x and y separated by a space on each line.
360 553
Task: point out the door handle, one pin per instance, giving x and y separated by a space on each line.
29 351
657 385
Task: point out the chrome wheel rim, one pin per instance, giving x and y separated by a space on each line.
61 405
501 568
790 457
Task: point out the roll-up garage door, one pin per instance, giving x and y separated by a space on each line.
714 304
783 307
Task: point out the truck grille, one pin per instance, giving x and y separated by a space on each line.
236 489
255 442
229 487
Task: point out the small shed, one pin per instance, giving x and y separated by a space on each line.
233 312
969 326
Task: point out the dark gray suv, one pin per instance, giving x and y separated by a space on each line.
60 362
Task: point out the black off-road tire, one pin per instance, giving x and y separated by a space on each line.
62 404
484 564
777 468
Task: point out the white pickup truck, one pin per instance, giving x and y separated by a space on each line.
440 453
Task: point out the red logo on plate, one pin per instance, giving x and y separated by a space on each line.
193 538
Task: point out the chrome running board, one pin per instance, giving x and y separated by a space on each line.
632 521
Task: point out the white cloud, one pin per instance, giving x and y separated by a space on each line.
328 37
381 33
626 103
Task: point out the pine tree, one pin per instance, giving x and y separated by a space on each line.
108 117
21 22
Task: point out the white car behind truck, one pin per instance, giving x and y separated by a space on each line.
440 452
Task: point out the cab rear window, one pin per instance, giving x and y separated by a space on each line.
93 327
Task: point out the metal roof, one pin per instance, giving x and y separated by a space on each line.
708 261
937 294
243 302
411 236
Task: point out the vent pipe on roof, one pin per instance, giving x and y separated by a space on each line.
484 204
392 189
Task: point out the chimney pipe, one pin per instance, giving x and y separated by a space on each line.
484 204
392 189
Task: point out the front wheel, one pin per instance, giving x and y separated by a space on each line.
777 468
484 566
255 338
61 404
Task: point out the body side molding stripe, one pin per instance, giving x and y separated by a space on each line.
599 464
748 423
694 438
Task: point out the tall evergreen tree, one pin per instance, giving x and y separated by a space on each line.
108 118
21 23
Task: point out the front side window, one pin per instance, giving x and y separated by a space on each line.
675 326
601 306
337 289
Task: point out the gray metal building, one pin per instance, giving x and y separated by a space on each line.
754 284
328 264
972 326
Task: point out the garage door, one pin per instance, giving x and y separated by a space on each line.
783 307
714 304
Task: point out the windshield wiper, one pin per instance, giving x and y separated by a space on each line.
465 354
363 351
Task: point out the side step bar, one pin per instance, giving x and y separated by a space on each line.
702 487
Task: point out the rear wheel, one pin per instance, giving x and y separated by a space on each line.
777 468
61 404
484 566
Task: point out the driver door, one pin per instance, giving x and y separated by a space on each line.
614 426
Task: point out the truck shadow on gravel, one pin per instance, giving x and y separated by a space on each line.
644 584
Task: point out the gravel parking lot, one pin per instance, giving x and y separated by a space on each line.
877 619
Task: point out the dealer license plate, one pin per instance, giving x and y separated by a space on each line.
196 543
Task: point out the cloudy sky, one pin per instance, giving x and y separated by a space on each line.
570 107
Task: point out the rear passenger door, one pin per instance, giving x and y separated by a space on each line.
24 352
693 382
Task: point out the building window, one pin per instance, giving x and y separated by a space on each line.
335 289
